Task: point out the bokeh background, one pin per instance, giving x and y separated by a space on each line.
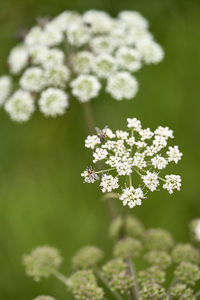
42 197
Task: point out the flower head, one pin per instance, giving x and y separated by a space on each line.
42 262
83 285
151 290
152 274
53 102
20 106
85 87
158 258
128 248
136 152
181 290
87 257
32 80
82 53
108 183
118 276
158 239
122 85
187 273
185 252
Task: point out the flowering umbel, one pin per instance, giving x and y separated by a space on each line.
76 55
127 154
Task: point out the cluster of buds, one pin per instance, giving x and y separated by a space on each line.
136 152
141 261
73 55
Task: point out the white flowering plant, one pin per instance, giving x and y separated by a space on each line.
126 155
76 56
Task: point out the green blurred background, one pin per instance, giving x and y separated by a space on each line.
42 197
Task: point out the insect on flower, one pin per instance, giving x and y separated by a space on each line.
135 152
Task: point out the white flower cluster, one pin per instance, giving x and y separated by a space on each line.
78 55
128 154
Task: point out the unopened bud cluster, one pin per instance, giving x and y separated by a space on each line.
145 262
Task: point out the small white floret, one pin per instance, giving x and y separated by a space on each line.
172 182
128 58
85 87
151 52
32 80
159 162
122 85
104 65
18 59
108 183
174 154
91 141
53 102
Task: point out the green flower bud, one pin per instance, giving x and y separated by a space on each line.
83 285
158 239
153 291
185 252
117 273
42 262
158 258
152 274
181 291
87 257
128 248
129 226
187 273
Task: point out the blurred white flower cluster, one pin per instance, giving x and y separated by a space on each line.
76 55
129 154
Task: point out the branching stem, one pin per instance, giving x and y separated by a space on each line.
105 282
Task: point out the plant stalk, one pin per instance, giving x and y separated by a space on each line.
134 289
61 277
89 119
105 282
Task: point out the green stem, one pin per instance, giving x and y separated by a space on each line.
89 117
134 289
137 171
103 171
91 126
105 282
61 277
130 180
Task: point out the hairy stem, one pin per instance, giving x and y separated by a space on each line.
105 282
